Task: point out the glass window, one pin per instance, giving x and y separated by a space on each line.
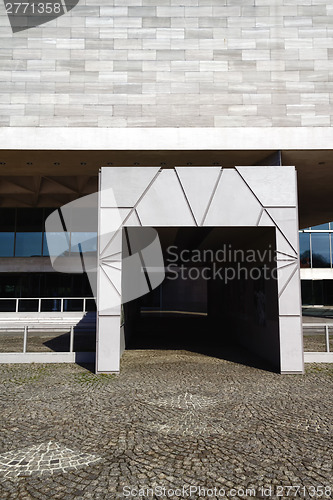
306 286
7 244
9 285
7 220
87 242
56 244
320 250
321 227
28 244
304 249
7 228
29 220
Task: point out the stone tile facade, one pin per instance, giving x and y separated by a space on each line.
168 63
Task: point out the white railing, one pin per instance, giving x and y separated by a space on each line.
25 335
60 304
24 356
326 327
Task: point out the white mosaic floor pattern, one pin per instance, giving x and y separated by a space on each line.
44 458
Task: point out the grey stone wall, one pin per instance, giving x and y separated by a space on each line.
171 63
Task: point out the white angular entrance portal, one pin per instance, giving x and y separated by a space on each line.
211 197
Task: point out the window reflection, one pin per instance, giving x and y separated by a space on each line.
321 227
28 244
7 244
56 244
84 242
304 249
320 250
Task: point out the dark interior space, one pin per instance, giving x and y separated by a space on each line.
216 299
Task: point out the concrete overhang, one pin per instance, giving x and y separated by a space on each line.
72 157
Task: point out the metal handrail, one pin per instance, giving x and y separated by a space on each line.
40 299
25 334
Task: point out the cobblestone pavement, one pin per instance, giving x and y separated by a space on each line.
172 419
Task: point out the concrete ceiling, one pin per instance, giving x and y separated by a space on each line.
52 178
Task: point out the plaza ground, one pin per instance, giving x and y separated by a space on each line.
170 419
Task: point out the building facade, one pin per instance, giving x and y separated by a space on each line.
163 84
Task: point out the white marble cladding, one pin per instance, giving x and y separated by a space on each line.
168 63
199 196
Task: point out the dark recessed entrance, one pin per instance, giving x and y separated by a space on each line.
219 296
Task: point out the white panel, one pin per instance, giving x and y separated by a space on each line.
284 273
127 183
133 220
311 357
316 274
265 220
291 344
274 185
165 204
166 138
108 344
290 300
110 221
122 340
113 263
47 357
286 220
233 203
108 297
114 275
283 246
198 184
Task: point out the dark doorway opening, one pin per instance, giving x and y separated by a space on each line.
219 297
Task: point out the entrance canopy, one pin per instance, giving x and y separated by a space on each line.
261 196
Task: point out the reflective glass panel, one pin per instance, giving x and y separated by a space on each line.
28 305
28 244
50 305
6 244
321 227
320 250
87 242
304 249
73 305
8 305
56 244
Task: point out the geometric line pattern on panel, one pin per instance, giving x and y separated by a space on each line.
284 282
283 246
128 185
265 219
198 184
285 273
165 203
263 182
233 204
284 227
44 458
114 275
